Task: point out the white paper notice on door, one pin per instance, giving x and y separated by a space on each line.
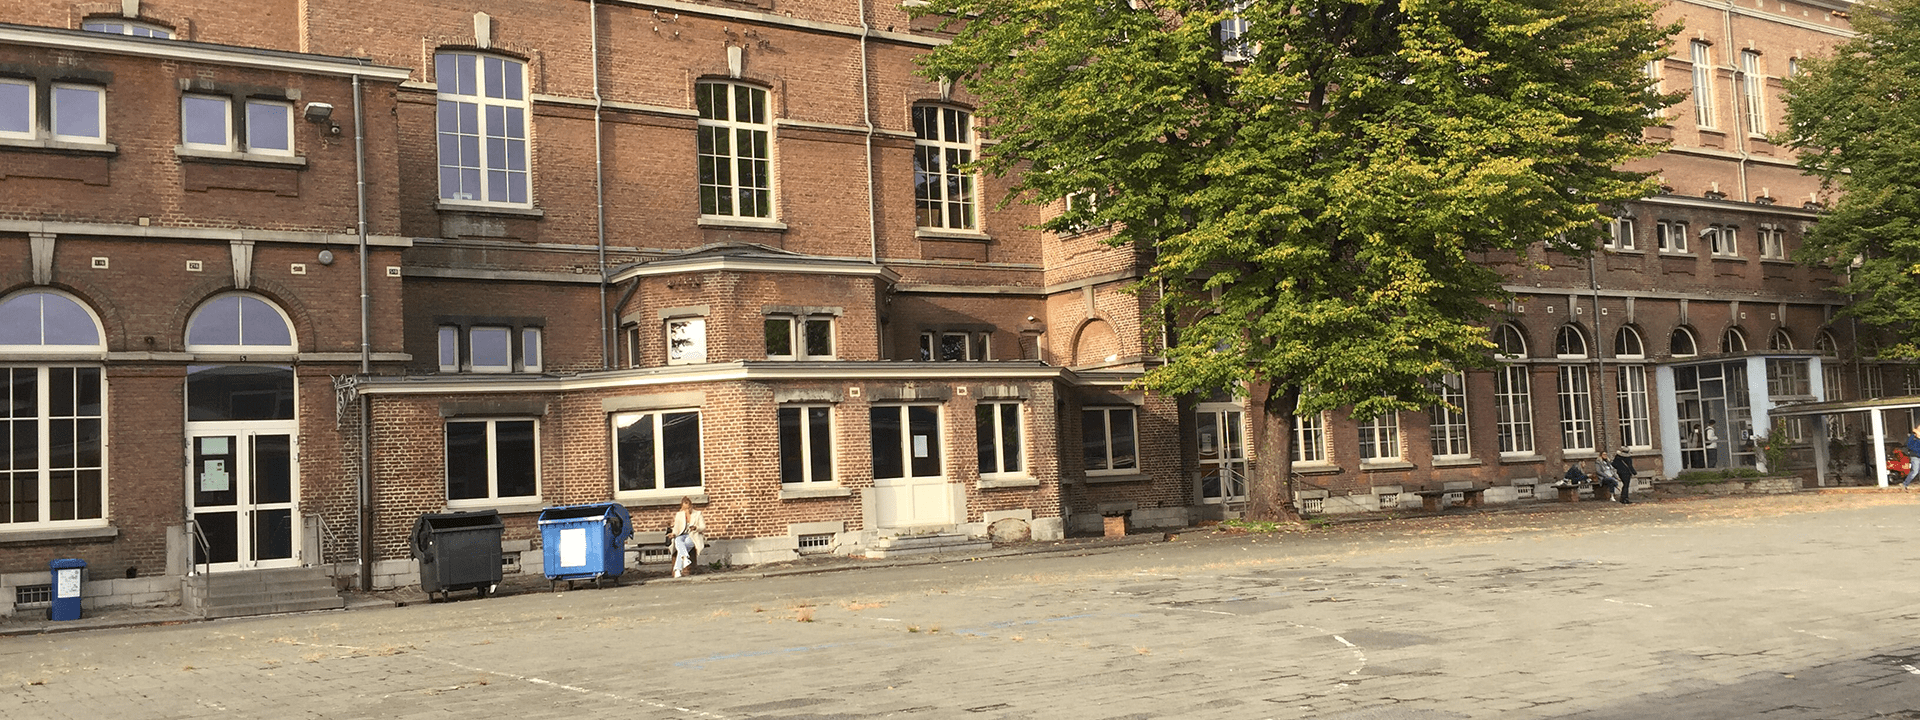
573 547
919 446
213 476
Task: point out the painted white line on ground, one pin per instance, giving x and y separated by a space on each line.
1818 635
1623 602
1358 654
1911 669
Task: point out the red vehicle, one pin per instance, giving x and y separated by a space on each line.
1898 464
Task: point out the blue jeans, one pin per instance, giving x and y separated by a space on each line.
1913 468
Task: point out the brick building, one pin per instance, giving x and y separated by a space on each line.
278 279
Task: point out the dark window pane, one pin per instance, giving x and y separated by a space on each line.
239 392
1093 438
86 392
60 392
272 469
779 336
272 534
1010 437
953 346
924 424
1123 449
985 434
86 443
633 443
820 338
820 444
680 443
61 495
90 504
516 459
466 460
221 531
791 465
888 462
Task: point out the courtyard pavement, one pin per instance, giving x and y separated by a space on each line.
1778 607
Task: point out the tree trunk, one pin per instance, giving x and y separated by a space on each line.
1270 488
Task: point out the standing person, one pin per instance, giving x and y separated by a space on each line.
1713 443
1623 466
1609 477
1913 452
688 536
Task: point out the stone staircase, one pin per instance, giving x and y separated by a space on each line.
262 592
933 543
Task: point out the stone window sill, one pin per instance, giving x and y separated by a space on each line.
1010 482
239 158
806 493
1118 478
706 221
104 532
951 235
1456 462
504 507
1521 459
1385 466
662 498
64 147
456 206
1317 468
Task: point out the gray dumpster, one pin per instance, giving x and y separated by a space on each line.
458 551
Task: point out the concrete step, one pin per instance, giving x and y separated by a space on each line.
940 544
271 608
262 592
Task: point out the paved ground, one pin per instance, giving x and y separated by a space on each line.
1781 607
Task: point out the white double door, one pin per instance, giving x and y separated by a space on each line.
242 486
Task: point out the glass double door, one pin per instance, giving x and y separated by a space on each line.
241 486
1223 455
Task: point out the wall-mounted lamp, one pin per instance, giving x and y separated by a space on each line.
318 112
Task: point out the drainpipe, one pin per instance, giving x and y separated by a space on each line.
1600 357
599 182
1740 102
866 115
365 489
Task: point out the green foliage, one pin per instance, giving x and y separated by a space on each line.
1854 118
1318 217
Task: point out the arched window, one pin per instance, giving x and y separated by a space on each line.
1827 346
1509 343
1733 341
236 322
1570 342
117 26
1626 344
1682 344
43 321
1779 340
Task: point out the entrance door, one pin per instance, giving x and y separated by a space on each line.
909 482
240 491
1223 456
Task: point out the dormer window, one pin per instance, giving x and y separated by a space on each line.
127 27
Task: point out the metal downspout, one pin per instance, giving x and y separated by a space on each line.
1740 102
1600 357
599 182
866 115
365 489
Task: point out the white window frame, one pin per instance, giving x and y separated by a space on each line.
1773 242
1732 340
1723 240
1692 341
1230 31
1871 383
1448 426
1380 438
977 345
1513 404
99 108
293 336
492 461
806 449
937 452
1753 84
1576 408
506 338
1703 109
1656 75
43 421
747 173
27 111
1632 337
1636 419
658 419
495 140
1620 234
941 193
998 437
116 26
1779 340
1309 438
1106 437
797 345
285 124
455 343
695 351
1670 236
1833 378
226 128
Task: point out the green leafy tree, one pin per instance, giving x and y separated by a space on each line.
1854 118
1317 198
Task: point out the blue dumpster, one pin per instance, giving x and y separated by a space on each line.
67 574
585 542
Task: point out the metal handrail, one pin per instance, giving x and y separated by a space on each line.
327 539
200 540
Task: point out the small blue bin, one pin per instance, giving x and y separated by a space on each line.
67 576
585 542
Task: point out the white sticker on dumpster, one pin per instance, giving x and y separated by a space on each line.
573 547
69 583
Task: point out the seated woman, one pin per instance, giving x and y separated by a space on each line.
688 536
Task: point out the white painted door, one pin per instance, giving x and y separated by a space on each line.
241 490
909 477
1221 441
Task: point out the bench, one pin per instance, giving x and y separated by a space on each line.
1435 500
1571 493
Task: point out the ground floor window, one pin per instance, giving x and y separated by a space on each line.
906 441
492 460
656 451
51 438
1636 423
1513 405
1309 438
806 444
1449 419
996 428
1576 408
1108 439
1380 438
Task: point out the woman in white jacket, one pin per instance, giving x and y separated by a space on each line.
688 536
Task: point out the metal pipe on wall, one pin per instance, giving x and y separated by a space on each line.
599 183
866 115
364 491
